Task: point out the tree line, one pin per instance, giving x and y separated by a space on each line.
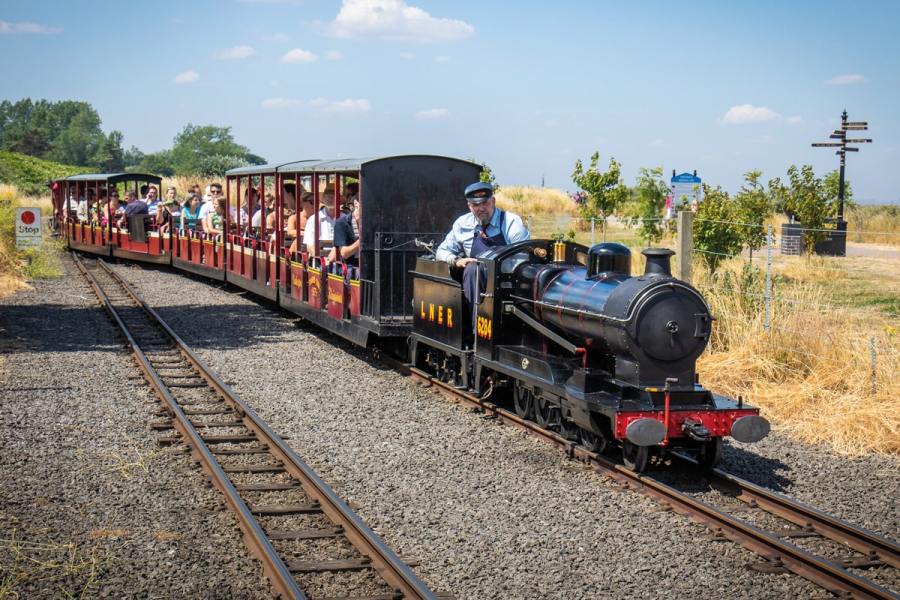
724 224
69 132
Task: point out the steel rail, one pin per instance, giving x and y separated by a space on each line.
811 519
820 571
254 537
390 567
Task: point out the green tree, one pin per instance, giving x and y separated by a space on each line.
159 163
831 185
132 157
715 235
487 176
605 189
195 143
50 130
650 194
806 200
753 206
79 141
109 157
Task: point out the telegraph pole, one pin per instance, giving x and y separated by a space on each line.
842 149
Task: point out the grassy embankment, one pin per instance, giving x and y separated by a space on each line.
811 372
23 182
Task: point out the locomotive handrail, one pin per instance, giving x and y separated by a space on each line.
544 330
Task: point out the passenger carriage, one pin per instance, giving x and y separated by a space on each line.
138 240
406 202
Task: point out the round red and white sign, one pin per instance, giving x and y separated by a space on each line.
28 227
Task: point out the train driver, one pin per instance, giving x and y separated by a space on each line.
474 233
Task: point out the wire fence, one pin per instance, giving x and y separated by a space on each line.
806 306
817 307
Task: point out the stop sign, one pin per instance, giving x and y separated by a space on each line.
28 227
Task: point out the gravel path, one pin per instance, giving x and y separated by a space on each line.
490 512
90 506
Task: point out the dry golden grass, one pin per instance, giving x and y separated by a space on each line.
874 224
811 372
532 201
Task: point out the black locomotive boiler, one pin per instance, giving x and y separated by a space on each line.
583 347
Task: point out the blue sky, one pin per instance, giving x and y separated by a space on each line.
528 87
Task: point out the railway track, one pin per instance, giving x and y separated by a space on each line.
843 551
309 541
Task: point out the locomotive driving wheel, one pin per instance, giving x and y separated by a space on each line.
635 457
710 454
523 401
543 411
591 441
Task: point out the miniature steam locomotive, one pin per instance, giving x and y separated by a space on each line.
583 347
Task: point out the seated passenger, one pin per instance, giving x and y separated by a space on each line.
296 223
166 214
213 192
326 224
112 209
190 214
152 199
351 192
476 232
133 206
256 221
215 221
346 235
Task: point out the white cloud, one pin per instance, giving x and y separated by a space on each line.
333 55
407 55
848 79
348 106
432 113
747 113
442 59
9 28
298 55
394 20
235 53
794 120
187 77
280 103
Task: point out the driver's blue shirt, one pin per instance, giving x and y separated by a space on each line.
458 243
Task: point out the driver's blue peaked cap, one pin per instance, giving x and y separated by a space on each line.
479 192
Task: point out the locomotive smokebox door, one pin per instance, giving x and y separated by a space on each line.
438 303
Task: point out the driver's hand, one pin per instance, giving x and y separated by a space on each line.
462 262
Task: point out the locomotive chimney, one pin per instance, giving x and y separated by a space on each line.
658 260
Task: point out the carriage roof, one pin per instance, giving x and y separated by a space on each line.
112 178
340 165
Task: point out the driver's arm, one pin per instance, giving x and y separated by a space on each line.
451 249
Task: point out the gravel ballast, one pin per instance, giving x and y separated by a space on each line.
90 506
489 512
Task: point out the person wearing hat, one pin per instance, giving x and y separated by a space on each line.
482 228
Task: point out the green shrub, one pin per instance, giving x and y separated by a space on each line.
30 175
